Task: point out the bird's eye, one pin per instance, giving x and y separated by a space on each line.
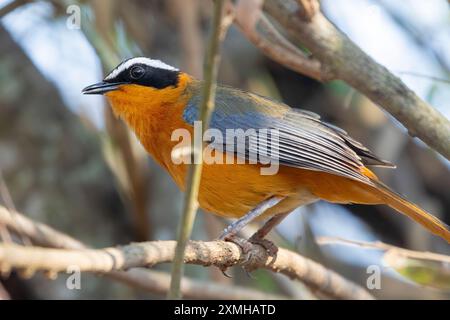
137 72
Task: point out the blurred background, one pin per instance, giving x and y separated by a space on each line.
65 161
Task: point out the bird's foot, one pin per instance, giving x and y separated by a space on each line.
268 245
244 244
247 247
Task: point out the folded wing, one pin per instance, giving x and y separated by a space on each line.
302 140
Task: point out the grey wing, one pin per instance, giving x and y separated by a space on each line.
300 138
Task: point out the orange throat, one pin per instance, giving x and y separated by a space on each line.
154 114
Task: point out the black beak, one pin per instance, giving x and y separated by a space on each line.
102 87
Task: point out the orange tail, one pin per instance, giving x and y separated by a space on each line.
397 202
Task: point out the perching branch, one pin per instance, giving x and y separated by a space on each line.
148 280
313 274
211 68
290 264
341 59
146 254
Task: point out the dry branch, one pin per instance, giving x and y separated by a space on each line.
214 253
258 29
159 282
428 269
341 59
308 9
39 233
146 254
378 245
148 280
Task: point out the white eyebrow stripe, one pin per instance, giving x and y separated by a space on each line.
139 60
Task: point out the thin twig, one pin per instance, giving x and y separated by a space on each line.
39 233
378 245
9 203
159 282
211 67
10 7
341 59
148 280
4 234
4 295
187 14
146 254
435 266
420 75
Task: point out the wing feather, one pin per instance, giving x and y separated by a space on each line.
304 141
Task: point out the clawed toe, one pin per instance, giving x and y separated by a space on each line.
224 272
242 243
245 245
268 245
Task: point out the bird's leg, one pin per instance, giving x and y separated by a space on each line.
258 236
230 233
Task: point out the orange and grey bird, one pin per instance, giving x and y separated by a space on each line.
317 161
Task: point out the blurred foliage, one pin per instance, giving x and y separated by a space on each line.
425 272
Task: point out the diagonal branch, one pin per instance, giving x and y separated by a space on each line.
378 245
258 29
4 295
308 9
341 59
428 269
11 6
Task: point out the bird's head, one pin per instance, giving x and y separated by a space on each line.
139 83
